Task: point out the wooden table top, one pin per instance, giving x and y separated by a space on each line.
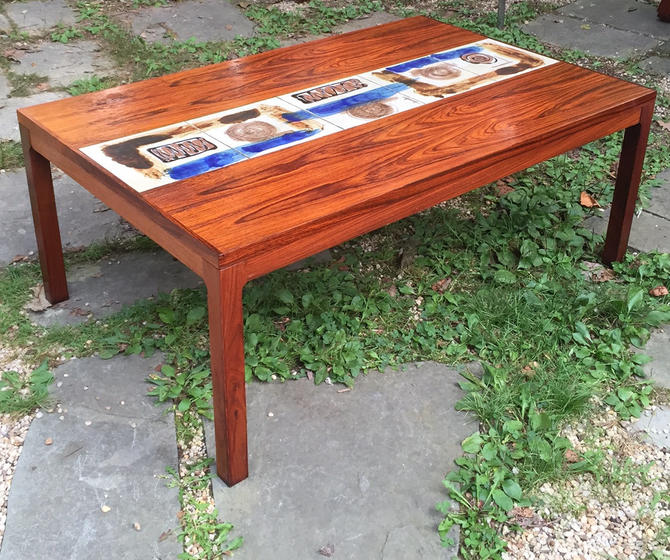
326 189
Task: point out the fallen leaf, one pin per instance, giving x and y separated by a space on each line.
658 291
310 375
244 5
604 275
281 323
502 188
229 27
39 301
19 258
165 534
587 201
12 54
441 285
522 512
42 86
571 456
392 290
664 124
585 26
525 517
327 550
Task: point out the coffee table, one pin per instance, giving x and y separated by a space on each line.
243 167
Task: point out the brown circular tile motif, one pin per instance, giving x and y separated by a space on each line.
479 58
443 71
372 110
251 131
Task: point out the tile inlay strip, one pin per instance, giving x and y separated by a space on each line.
157 157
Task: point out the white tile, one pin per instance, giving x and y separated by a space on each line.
264 127
161 156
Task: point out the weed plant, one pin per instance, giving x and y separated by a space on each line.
498 279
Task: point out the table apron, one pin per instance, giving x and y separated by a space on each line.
311 238
188 249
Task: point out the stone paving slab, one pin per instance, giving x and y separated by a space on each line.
4 87
82 218
658 348
9 127
204 20
103 288
361 470
376 18
38 15
655 425
64 64
660 196
629 15
598 40
649 232
5 24
657 65
54 508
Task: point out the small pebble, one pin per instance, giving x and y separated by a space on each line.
137 526
105 508
48 441
271 414
87 423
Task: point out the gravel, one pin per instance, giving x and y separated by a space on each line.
13 432
622 512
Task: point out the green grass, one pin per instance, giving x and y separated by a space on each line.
494 279
20 396
23 85
88 85
11 155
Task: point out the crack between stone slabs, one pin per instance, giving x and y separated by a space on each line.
109 413
656 215
586 20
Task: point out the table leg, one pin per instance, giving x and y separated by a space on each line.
627 184
226 342
45 219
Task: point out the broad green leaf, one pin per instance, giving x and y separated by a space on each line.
473 443
502 499
195 314
503 276
285 296
512 489
634 298
625 394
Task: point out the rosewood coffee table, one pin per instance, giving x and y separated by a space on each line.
243 167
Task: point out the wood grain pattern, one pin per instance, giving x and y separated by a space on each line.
224 296
243 221
150 104
45 219
626 187
248 206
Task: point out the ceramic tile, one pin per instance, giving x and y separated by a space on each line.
161 156
186 149
349 115
264 127
455 71
351 102
326 93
